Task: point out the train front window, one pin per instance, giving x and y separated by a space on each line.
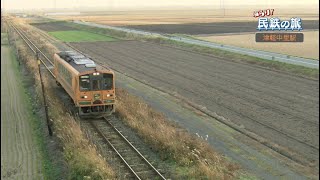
107 82
96 85
84 83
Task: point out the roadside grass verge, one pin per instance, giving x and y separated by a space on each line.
48 169
192 157
79 36
81 156
222 54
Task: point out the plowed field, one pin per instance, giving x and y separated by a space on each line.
212 28
280 107
53 26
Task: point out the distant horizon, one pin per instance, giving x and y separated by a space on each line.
151 8
154 5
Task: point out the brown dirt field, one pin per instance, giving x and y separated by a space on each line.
212 28
122 18
308 49
279 107
20 156
53 26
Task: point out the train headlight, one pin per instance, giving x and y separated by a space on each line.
85 97
108 95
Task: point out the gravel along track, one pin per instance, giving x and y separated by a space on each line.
93 129
20 158
279 107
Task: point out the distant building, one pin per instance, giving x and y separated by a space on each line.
61 13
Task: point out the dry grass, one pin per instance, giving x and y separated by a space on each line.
308 49
82 158
192 153
185 16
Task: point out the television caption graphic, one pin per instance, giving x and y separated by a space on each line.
274 23
279 37
263 13
265 24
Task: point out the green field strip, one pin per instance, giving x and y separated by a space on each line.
80 36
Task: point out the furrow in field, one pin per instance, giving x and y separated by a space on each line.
277 106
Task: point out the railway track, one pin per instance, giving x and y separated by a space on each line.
48 63
137 165
133 164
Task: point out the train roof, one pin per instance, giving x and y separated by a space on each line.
79 61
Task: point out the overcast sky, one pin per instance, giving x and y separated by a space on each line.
35 4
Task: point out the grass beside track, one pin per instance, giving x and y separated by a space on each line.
80 36
274 65
192 158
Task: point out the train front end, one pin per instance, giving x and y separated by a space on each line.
96 96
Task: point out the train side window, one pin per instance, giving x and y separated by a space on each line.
95 85
84 83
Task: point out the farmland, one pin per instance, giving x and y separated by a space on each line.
212 28
79 36
206 24
54 26
145 17
271 104
308 49
69 34
237 91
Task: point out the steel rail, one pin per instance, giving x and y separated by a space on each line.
121 157
35 47
135 149
130 144
28 42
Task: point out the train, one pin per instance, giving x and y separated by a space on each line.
90 86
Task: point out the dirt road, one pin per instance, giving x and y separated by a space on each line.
20 157
279 107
